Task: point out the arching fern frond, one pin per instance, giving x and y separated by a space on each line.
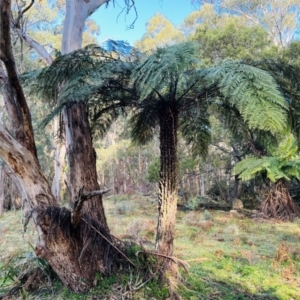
284 164
162 70
287 76
196 130
143 123
253 92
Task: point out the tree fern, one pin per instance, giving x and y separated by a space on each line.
283 164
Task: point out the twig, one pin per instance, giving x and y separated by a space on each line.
176 260
21 13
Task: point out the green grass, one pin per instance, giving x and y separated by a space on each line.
229 258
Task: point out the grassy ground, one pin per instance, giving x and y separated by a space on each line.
229 257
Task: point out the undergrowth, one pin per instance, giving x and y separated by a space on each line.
228 257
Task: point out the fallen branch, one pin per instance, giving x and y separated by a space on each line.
176 260
116 248
81 198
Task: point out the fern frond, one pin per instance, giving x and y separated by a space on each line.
195 127
143 123
253 92
161 71
284 164
287 148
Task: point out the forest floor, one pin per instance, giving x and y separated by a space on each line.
229 257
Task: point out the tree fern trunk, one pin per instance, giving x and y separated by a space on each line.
279 204
168 184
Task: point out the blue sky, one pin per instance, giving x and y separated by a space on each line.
114 27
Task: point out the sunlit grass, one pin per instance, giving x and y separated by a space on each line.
229 258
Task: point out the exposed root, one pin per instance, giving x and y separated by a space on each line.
278 203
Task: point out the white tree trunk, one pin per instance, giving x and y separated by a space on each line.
76 14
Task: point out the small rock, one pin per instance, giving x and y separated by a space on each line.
237 204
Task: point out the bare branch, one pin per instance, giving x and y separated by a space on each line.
21 13
35 45
81 198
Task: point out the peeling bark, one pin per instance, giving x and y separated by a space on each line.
76 255
23 125
82 160
26 168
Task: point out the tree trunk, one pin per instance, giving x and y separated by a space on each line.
168 184
78 251
1 189
279 204
235 194
25 166
82 160
59 163
80 152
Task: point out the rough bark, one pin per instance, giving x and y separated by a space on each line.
82 160
59 161
76 254
80 152
168 184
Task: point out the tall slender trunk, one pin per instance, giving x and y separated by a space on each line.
168 184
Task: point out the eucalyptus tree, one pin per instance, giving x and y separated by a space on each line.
175 94
160 32
279 18
66 241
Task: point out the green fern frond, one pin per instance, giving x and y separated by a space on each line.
162 70
195 127
284 164
143 123
287 148
253 92
250 167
